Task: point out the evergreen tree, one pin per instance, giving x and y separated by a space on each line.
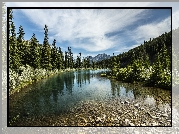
60 59
66 60
21 44
115 66
70 58
54 55
84 62
14 59
79 61
35 54
46 51
164 58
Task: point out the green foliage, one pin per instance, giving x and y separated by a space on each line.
14 58
34 53
60 57
78 61
46 52
54 55
149 63
161 76
26 75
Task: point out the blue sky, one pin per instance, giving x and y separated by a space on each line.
94 31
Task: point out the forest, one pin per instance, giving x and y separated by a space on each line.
30 61
149 63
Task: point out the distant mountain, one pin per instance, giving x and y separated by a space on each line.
98 57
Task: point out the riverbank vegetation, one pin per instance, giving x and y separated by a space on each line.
149 63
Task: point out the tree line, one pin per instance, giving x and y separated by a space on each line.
149 63
47 56
30 61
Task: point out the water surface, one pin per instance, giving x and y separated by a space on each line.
58 94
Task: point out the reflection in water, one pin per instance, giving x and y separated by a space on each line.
82 77
123 92
69 81
58 93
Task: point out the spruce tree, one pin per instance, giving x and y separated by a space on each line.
46 51
14 59
66 60
70 58
79 61
60 59
21 44
54 55
35 54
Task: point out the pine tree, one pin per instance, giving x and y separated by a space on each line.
84 62
60 59
34 52
79 61
70 58
136 67
66 60
21 44
54 55
14 59
46 51
158 70
164 58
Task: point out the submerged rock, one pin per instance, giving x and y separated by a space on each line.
107 113
136 105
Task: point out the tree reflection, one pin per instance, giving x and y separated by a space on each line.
60 84
115 88
82 77
69 81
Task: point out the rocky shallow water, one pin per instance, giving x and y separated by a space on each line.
114 112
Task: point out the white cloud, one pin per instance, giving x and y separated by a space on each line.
86 29
152 30
74 25
145 32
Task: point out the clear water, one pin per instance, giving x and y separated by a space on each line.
57 94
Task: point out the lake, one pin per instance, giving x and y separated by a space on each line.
84 98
